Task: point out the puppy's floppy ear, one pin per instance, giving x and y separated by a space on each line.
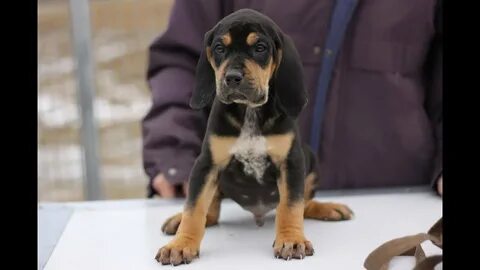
204 91
288 81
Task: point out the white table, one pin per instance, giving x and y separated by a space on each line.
126 234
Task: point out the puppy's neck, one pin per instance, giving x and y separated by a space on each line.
230 118
258 118
251 123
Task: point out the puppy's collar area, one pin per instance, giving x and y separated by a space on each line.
267 115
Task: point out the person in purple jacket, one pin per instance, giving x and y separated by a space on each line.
373 71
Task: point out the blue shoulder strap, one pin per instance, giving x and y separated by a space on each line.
338 25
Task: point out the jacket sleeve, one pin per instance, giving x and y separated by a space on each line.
172 131
434 98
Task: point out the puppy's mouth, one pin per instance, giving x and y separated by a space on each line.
241 97
237 96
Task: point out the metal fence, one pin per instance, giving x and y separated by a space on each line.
92 95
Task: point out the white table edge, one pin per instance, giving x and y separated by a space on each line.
60 213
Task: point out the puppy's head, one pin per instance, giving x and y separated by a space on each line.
245 57
243 63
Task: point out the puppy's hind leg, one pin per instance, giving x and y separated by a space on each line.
323 210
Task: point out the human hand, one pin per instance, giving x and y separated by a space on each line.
166 190
440 185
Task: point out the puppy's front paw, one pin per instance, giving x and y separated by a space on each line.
177 252
287 248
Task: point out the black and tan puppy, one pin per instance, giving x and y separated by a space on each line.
251 75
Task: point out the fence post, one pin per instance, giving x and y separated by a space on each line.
80 21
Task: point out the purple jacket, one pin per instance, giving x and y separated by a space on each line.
383 114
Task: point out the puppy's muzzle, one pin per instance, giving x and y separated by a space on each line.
236 88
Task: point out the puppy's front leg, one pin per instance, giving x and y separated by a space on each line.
290 241
185 246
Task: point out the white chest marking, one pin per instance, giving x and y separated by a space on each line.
251 148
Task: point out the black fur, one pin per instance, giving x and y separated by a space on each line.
288 82
205 79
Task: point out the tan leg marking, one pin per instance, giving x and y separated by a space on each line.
170 226
321 210
185 246
327 211
290 241
309 184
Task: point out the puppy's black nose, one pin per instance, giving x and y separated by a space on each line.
233 78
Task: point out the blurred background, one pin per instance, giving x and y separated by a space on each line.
120 33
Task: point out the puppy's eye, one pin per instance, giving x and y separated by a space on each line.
260 48
219 49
